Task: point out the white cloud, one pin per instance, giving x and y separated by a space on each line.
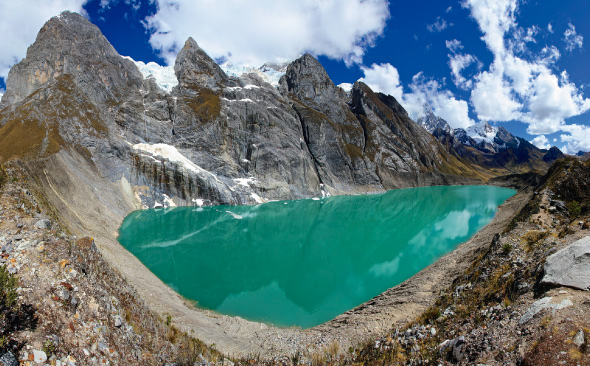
458 63
20 21
135 4
577 138
549 28
495 18
519 88
270 30
541 142
492 98
551 101
383 78
572 39
443 102
347 87
454 45
439 25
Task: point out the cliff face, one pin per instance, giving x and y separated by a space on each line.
75 104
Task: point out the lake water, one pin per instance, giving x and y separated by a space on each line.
304 262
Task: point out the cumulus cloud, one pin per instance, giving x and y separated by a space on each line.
458 63
20 21
518 88
492 98
443 103
572 39
269 30
577 137
383 78
541 142
495 18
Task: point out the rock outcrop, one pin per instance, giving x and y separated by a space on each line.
570 266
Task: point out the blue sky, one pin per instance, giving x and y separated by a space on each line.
515 63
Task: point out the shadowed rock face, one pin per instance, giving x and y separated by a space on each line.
226 140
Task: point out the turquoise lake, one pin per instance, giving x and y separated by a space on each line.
302 263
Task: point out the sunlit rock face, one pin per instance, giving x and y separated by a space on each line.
253 141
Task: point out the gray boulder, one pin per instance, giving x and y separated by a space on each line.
543 304
570 266
43 224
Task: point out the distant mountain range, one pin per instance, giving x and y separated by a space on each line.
491 148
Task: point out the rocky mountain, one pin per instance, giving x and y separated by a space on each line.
76 111
553 154
431 121
493 149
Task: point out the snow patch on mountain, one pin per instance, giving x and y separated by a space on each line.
270 73
163 75
482 131
170 153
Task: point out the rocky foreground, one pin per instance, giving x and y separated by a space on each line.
62 304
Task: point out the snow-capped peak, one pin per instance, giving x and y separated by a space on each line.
269 72
431 122
482 131
163 75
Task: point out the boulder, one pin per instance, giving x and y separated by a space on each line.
542 304
43 224
570 266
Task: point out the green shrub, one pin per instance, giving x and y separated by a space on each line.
574 209
8 305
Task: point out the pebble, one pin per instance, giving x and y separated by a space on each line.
118 321
579 338
39 356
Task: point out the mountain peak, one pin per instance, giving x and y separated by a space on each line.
70 44
193 67
307 78
431 122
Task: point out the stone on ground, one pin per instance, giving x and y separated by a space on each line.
570 266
